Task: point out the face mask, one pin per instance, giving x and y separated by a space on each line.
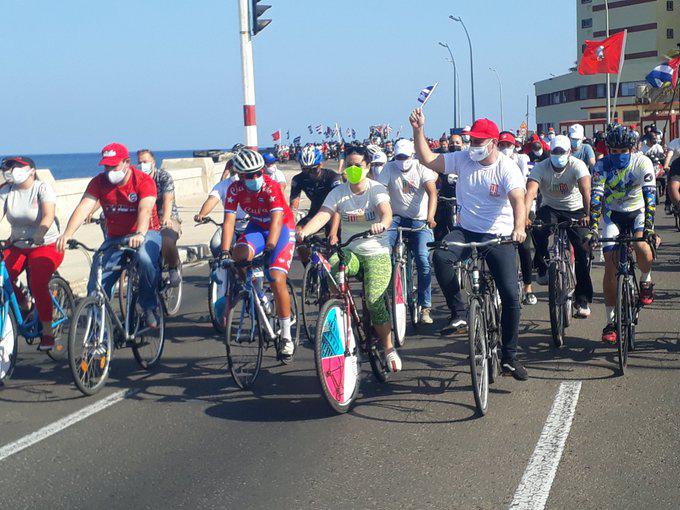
559 161
254 184
355 174
466 138
551 136
376 169
455 148
116 176
146 168
575 144
538 152
508 151
18 175
619 161
404 165
479 153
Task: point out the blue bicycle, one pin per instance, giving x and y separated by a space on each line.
14 322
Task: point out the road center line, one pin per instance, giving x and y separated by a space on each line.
59 425
534 488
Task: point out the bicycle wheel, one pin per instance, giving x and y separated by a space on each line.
677 222
478 356
569 285
414 308
217 322
623 307
634 299
9 343
244 341
555 293
148 343
399 303
90 345
311 292
172 296
122 293
336 355
63 304
493 335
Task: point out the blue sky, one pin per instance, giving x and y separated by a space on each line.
166 74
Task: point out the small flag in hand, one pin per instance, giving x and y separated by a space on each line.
426 93
664 73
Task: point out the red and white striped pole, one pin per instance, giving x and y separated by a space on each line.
249 122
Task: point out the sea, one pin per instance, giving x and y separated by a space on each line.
70 166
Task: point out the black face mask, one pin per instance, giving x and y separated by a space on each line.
455 148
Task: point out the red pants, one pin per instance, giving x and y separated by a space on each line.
43 262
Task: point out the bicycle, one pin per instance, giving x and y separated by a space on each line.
315 289
342 335
484 324
252 325
13 322
171 297
404 288
561 279
628 305
92 339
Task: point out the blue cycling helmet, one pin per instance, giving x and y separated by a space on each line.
269 158
310 156
620 137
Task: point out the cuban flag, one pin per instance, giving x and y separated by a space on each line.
297 140
310 129
426 93
354 133
319 129
664 73
287 135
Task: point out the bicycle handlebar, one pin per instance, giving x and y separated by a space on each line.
206 220
74 244
447 199
566 223
444 245
410 229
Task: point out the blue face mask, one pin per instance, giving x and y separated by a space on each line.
619 161
575 144
254 184
559 161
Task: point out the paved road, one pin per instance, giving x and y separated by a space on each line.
188 438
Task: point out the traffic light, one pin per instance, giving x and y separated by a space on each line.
257 25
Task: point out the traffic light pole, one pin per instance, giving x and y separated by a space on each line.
249 122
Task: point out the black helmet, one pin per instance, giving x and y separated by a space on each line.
620 137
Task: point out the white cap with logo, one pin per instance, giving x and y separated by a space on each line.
560 142
576 132
404 146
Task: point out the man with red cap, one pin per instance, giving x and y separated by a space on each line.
490 194
128 199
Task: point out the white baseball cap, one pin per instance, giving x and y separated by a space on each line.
379 158
404 146
576 131
561 142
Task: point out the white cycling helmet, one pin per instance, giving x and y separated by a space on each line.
247 161
373 149
309 156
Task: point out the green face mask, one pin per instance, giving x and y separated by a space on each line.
356 174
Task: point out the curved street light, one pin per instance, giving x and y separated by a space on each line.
500 94
472 67
456 114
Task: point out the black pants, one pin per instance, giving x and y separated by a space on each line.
584 285
526 262
503 267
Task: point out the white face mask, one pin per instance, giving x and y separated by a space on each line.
508 151
147 168
539 152
405 165
17 175
116 176
479 153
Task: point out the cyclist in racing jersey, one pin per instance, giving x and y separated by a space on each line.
363 204
272 171
623 195
270 230
674 183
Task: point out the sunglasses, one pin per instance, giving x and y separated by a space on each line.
250 176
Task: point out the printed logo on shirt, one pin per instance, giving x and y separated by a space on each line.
494 190
132 197
648 177
561 188
359 216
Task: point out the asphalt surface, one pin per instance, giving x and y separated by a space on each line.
187 438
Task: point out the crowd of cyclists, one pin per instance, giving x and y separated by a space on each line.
499 184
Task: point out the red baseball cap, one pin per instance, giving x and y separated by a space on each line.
484 128
508 137
113 154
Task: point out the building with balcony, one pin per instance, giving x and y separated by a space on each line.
653 34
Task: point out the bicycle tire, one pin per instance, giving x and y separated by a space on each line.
148 353
556 311
172 296
412 290
244 352
61 292
9 344
217 322
90 375
294 324
122 293
311 292
621 315
677 222
493 323
336 356
478 359
569 286
399 304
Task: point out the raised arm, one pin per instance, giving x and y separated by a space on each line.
425 155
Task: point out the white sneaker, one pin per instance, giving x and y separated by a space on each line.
582 311
288 347
393 361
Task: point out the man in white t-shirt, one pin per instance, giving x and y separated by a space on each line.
413 195
272 170
490 194
564 183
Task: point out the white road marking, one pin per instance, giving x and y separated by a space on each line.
59 425
534 488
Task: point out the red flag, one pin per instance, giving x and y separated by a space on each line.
603 57
277 135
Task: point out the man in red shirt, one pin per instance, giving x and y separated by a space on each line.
271 228
128 200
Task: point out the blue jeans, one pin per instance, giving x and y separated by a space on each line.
417 243
148 257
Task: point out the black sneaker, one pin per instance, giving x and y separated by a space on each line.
455 325
515 369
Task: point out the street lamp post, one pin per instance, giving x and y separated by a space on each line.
472 67
500 94
456 117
